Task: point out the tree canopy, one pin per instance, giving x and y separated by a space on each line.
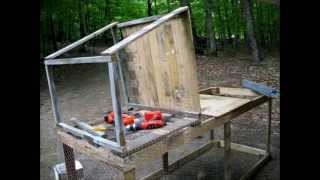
219 22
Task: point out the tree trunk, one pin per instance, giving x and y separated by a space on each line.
149 9
168 6
187 3
82 19
210 33
222 31
52 33
82 24
155 7
227 20
250 31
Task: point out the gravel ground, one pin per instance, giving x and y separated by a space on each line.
82 94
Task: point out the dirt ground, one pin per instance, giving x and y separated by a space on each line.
83 94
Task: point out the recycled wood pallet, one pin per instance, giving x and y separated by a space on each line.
154 66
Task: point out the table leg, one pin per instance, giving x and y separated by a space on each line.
269 126
70 162
211 134
227 150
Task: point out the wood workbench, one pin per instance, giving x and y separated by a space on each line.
218 107
160 73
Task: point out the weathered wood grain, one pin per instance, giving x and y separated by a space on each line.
162 68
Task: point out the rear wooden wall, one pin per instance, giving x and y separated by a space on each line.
161 66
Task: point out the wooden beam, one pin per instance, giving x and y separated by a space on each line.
139 21
99 153
143 31
79 60
80 41
244 148
254 169
183 160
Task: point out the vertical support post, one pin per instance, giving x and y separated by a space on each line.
114 86
212 134
227 150
125 92
52 91
70 162
165 163
269 126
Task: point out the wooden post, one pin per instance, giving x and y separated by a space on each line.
211 134
70 163
269 126
227 150
165 163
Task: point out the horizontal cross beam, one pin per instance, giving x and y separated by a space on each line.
80 41
94 139
79 60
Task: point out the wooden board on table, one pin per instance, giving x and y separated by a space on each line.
161 66
219 105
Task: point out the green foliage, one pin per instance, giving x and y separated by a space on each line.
60 19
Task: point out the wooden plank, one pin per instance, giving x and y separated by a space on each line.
211 123
79 60
80 41
143 31
162 67
229 91
186 90
245 149
141 70
255 168
218 105
101 154
159 50
139 21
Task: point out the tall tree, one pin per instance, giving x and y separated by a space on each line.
208 4
252 41
149 7
187 3
82 19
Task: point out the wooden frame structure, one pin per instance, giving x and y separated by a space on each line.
219 105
